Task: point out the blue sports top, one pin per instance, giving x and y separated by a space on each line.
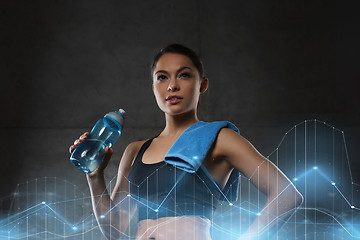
163 190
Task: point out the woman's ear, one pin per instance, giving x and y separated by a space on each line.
204 85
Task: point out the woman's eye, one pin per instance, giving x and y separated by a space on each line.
161 77
184 75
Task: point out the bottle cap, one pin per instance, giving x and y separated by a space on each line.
117 116
122 111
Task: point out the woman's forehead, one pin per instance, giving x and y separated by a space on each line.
173 62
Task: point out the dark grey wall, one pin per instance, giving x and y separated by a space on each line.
271 64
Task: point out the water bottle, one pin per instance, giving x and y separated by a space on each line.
89 154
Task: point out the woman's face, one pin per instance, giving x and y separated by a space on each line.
177 84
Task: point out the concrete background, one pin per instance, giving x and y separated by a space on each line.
271 65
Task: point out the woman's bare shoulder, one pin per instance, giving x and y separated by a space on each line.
230 143
135 146
131 151
227 136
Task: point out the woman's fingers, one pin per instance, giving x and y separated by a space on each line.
78 141
84 135
71 148
81 138
108 153
104 162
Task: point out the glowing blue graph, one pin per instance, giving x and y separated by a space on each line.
48 208
312 154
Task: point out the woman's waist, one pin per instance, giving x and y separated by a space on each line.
171 208
184 227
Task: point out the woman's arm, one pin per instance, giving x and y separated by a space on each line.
114 213
282 196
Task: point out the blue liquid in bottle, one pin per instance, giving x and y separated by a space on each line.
89 154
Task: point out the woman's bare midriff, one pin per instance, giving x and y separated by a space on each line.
174 228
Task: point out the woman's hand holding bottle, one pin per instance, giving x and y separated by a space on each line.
93 150
108 153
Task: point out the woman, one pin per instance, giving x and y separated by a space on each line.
178 82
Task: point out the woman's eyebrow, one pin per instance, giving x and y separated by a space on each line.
179 70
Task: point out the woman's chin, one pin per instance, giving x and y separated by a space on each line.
173 112
179 112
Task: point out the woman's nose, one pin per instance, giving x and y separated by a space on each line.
173 85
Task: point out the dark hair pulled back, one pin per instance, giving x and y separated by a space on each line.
180 49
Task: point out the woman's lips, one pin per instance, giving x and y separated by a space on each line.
173 99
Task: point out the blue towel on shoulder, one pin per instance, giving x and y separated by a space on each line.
190 149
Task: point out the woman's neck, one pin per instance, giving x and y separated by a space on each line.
175 125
